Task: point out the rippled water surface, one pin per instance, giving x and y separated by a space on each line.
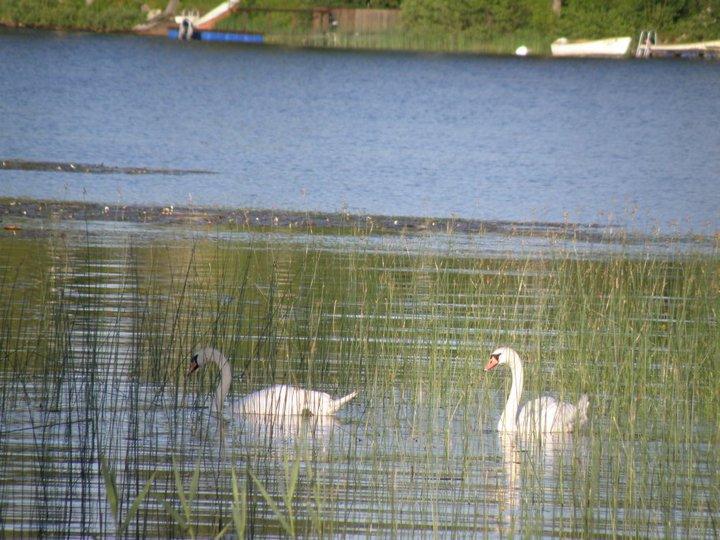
627 142
97 331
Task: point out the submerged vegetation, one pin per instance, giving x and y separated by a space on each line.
101 433
495 26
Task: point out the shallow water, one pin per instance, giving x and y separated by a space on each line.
97 331
610 142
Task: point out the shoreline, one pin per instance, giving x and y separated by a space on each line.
312 42
14 212
420 26
505 47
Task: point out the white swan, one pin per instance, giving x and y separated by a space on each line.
542 415
278 400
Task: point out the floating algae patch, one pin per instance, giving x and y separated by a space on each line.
89 168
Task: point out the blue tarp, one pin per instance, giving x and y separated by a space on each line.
214 35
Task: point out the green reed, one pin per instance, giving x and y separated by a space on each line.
296 29
98 16
97 340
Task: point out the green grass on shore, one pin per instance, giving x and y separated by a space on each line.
98 16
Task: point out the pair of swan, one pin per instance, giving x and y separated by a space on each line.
542 415
278 401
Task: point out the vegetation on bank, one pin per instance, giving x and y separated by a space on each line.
676 19
97 15
469 25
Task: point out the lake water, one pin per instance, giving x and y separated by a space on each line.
623 142
98 320
97 328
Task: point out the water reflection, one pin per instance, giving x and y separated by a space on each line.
509 503
416 455
539 468
560 140
276 435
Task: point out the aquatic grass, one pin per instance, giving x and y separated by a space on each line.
184 516
114 497
284 517
403 40
105 341
296 30
239 506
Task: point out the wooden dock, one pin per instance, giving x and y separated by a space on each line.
700 49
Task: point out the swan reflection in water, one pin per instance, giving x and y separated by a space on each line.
288 432
265 434
535 468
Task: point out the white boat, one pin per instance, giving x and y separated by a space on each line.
610 47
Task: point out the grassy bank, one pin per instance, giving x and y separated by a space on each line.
98 16
14 211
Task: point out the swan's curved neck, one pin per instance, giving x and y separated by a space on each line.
508 419
224 384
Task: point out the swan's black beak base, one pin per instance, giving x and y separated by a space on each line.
193 365
493 362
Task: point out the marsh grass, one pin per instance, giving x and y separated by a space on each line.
103 434
401 40
296 30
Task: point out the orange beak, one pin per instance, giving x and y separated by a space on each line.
193 366
492 363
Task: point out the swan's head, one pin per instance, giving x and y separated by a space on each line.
502 355
202 357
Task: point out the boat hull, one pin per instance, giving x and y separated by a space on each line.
602 48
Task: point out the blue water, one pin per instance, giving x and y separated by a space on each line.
631 143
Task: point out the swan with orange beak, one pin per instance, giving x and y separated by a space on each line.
278 400
542 415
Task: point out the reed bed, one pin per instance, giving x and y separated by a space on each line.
102 433
296 29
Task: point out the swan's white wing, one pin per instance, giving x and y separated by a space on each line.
537 416
276 400
283 400
547 415
566 417
316 403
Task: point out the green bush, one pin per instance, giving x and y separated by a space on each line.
673 19
100 15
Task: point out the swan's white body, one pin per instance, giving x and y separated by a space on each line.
541 415
282 399
278 400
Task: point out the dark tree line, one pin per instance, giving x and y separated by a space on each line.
688 19
680 19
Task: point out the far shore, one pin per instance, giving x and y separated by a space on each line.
506 27
16 212
351 42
